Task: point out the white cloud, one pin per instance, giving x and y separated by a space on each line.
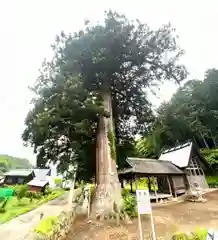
27 29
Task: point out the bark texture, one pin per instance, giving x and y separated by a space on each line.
108 189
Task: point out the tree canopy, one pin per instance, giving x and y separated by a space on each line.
191 114
119 57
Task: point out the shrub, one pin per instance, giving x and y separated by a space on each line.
33 195
37 195
212 181
130 204
199 234
46 225
58 181
2 207
48 190
21 191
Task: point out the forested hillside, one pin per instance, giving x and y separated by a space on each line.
191 114
8 162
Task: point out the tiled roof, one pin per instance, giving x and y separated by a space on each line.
19 172
150 166
38 183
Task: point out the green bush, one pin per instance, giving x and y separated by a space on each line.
34 195
46 225
58 181
211 156
212 181
199 234
3 205
21 191
129 203
48 190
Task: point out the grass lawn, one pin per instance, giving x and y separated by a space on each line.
212 181
15 208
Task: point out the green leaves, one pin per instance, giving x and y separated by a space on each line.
191 113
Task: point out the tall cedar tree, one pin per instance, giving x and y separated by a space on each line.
93 94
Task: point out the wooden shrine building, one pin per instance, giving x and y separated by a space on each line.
160 177
176 170
189 159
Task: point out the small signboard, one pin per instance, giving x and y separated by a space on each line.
143 201
144 207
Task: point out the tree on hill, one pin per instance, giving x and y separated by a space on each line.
191 114
91 99
8 162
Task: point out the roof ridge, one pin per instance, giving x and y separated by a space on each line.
142 159
177 147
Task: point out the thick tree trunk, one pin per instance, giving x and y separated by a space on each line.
108 189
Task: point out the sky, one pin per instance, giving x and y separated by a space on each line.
28 28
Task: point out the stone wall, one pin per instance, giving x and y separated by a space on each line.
66 218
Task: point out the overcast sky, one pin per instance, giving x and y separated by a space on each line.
28 27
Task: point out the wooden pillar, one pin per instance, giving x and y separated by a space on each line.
149 184
155 191
174 189
175 194
136 183
131 185
169 185
122 185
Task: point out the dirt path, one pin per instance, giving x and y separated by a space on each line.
20 228
185 216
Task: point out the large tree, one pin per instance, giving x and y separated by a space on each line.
94 87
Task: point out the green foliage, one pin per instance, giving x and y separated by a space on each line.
48 190
58 181
130 204
212 181
3 205
199 234
211 155
191 114
112 143
34 195
145 148
21 191
46 225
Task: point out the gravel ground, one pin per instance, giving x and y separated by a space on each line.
184 216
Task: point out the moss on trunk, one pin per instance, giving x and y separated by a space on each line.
112 143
